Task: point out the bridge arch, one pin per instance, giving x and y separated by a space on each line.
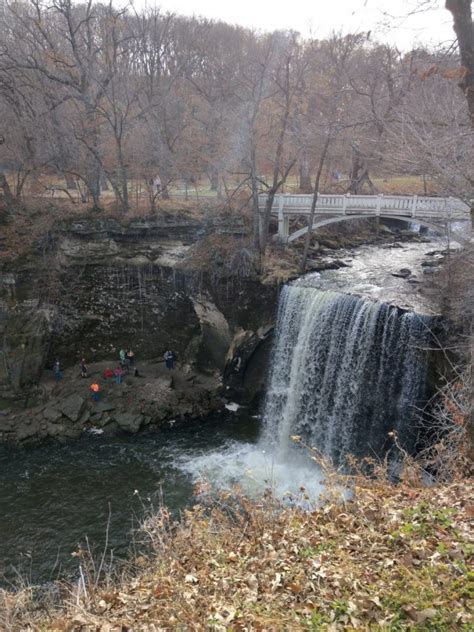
319 223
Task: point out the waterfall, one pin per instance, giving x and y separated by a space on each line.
344 372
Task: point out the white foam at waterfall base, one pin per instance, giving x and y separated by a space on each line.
291 476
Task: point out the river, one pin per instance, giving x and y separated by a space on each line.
54 496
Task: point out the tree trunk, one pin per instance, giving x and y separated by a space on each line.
470 419
309 234
359 173
165 192
93 184
214 178
123 179
464 29
7 193
70 181
276 182
104 183
255 208
94 166
305 176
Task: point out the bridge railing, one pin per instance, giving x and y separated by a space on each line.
400 205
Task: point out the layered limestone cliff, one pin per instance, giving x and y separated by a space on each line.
93 286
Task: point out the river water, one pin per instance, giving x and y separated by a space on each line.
53 496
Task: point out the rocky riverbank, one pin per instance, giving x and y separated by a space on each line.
154 399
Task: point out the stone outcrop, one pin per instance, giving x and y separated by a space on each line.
151 402
214 339
25 330
247 362
94 286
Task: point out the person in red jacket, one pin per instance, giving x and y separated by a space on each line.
118 372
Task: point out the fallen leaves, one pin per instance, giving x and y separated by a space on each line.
389 559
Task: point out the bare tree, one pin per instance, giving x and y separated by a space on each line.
461 10
287 83
331 111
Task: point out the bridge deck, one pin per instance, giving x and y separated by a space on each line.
435 210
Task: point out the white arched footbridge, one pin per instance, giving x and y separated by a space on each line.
434 212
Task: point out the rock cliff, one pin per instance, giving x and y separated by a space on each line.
93 286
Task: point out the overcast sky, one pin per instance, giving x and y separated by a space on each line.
320 17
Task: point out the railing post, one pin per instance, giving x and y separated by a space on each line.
379 204
344 204
413 205
451 206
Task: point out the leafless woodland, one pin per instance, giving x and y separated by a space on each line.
98 102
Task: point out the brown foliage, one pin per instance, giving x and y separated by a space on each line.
391 556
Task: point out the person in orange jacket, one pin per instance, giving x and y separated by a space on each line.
95 388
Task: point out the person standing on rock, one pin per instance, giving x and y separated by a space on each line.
83 367
95 389
122 356
118 372
130 357
169 359
57 370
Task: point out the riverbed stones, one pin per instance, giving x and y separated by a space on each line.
403 273
435 261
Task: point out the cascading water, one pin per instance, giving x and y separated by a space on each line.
344 372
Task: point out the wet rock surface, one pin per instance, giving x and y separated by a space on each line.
154 400
96 286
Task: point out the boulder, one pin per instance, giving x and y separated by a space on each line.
165 381
55 430
131 422
52 414
215 338
403 273
103 407
332 244
73 406
27 431
247 361
25 336
84 418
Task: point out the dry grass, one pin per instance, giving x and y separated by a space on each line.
393 557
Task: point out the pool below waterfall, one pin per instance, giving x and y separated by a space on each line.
53 497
